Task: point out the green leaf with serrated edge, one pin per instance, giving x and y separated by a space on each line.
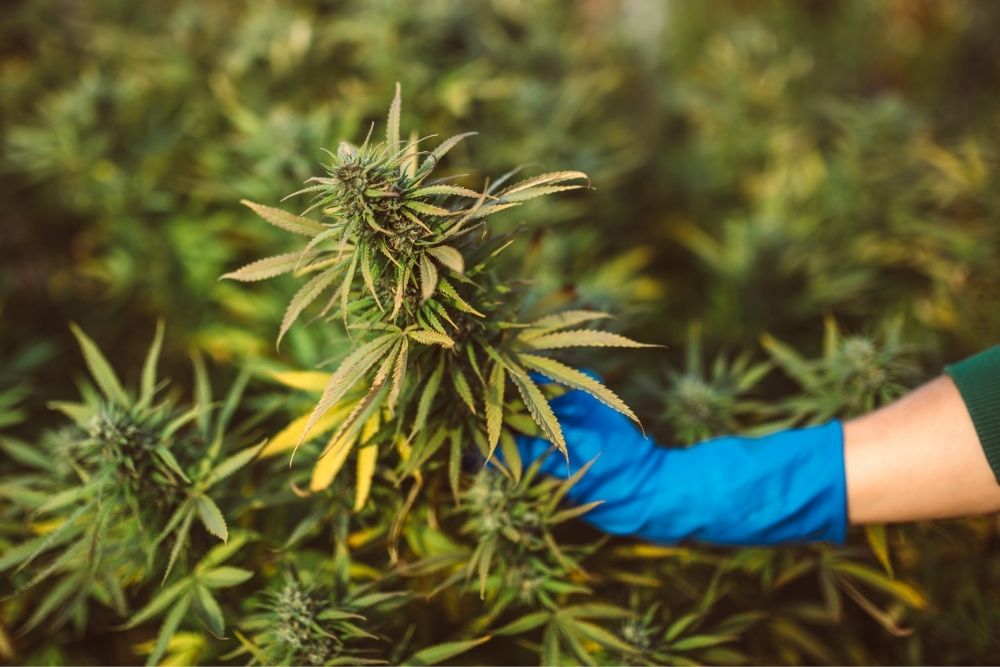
398 375
428 277
23 554
168 458
582 338
211 517
295 224
460 303
564 486
348 374
571 377
572 512
168 629
448 257
695 642
209 611
598 634
493 406
100 369
26 454
680 625
52 600
269 267
446 190
427 209
305 296
180 539
428 337
158 604
430 163
461 385
427 399
392 122
147 384
542 179
368 275
533 193
360 413
223 551
225 577
557 321
233 463
455 464
551 653
526 623
539 408
595 610
434 655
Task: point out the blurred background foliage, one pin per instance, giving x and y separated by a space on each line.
765 172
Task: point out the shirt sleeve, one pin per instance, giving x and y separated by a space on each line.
978 381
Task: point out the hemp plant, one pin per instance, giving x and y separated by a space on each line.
112 498
407 264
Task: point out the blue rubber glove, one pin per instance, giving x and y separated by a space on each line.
785 487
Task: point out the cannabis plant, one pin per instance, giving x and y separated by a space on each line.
112 497
407 263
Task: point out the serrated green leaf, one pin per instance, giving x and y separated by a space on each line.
428 277
462 388
582 338
435 156
557 321
460 303
233 463
225 577
168 629
434 655
305 296
147 384
428 337
571 377
539 409
295 224
210 612
427 399
493 406
446 190
392 122
100 369
211 517
449 257
158 604
269 267
351 370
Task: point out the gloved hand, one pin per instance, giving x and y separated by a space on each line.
785 487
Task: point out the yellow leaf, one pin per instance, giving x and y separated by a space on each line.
330 463
366 470
289 436
313 381
878 541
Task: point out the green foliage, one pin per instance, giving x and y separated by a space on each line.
754 172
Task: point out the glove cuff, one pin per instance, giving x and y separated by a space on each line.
786 487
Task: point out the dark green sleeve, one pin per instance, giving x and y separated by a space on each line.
978 380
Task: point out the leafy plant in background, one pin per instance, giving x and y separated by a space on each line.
863 192
108 493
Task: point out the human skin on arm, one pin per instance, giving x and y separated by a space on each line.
917 458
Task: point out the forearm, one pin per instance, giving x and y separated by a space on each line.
918 458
